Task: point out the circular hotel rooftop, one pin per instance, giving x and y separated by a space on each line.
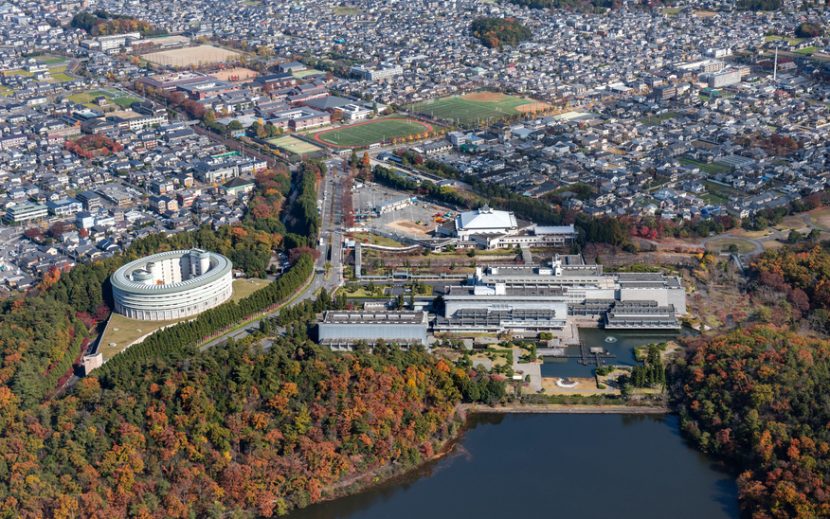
172 285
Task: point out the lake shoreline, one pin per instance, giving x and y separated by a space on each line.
481 421
564 409
389 473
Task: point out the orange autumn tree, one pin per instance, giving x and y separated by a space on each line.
235 430
757 397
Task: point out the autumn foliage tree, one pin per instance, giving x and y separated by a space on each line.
759 397
234 431
797 282
496 32
91 146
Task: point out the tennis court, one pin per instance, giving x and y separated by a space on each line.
290 144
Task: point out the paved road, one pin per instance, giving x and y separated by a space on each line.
9 238
329 246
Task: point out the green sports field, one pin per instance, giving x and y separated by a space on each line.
371 132
49 59
57 72
300 74
293 145
476 108
87 97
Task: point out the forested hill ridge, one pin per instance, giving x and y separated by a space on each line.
233 432
250 429
236 431
759 395
792 286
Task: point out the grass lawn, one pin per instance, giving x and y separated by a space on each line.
475 108
710 168
371 132
87 98
125 101
820 218
6 91
48 59
775 37
497 252
121 332
360 292
17 72
654 120
62 77
671 11
242 288
368 237
723 244
807 51
57 72
300 74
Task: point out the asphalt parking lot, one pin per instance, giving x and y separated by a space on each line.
398 221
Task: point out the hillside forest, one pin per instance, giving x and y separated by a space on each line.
759 395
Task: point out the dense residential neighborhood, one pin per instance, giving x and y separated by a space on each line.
415 258
684 121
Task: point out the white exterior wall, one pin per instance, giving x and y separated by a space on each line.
677 297
531 240
372 332
663 296
503 303
181 284
464 234
163 307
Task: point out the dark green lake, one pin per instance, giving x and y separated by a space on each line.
568 466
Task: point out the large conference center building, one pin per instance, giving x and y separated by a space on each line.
172 285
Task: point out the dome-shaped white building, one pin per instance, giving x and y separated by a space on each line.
172 285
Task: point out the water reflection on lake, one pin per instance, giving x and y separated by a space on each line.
570 466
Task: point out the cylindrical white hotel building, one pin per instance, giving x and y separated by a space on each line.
172 285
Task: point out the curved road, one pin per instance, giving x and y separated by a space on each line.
328 268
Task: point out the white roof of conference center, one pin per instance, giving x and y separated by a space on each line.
555 229
485 218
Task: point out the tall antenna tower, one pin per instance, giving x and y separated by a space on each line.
775 66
